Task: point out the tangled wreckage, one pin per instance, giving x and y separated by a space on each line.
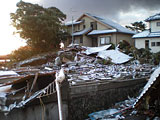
145 107
96 78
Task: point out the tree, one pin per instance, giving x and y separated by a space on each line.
137 26
41 27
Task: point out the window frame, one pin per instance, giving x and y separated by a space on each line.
153 44
81 40
157 43
106 40
84 26
93 25
78 27
158 24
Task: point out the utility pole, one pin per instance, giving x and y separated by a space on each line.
72 27
72 32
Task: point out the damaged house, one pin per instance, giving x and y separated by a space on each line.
92 31
32 89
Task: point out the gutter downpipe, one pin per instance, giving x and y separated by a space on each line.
59 101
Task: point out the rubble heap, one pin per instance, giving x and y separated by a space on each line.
89 67
80 68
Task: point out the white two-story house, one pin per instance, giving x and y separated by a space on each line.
92 30
150 38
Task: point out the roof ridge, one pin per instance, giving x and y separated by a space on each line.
153 17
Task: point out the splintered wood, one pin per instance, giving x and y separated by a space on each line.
50 89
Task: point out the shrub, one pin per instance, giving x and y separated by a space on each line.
156 58
112 46
21 54
124 46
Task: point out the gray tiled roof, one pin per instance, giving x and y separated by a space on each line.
153 17
147 34
82 32
112 24
97 32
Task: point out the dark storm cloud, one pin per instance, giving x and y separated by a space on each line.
110 8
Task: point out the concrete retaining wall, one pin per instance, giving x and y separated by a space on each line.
86 99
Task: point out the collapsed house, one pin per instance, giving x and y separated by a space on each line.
30 88
22 86
26 89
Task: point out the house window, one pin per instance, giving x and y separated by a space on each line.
78 27
81 39
105 40
102 40
93 25
158 43
84 26
153 44
158 23
146 44
74 29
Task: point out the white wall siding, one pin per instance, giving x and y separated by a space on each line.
154 27
155 49
140 43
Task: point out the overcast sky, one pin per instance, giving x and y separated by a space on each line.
121 11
